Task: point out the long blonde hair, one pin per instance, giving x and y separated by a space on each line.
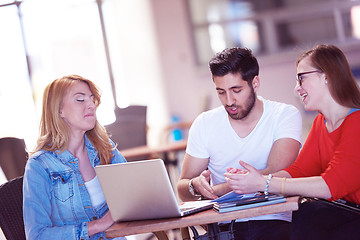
54 131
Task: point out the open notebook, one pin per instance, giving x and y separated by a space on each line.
142 190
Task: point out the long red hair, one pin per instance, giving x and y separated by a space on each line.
54 131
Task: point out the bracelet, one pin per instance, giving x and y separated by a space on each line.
267 184
283 186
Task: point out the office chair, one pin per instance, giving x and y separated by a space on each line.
13 157
129 129
11 209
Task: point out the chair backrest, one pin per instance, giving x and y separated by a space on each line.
11 209
129 129
13 157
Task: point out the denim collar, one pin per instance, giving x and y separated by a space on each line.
66 156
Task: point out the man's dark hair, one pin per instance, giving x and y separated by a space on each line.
235 60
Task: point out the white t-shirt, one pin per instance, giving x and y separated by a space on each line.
211 136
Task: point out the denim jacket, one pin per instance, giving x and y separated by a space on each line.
56 202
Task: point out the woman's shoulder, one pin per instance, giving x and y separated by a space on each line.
38 163
117 156
354 113
38 155
45 159
353 117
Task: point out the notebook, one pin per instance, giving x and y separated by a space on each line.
233 202
142 190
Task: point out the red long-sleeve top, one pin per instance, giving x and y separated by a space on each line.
335 156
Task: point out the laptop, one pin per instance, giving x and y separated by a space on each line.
142 190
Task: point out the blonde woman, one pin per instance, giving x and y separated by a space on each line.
62 195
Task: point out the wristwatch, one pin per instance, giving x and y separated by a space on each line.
192 189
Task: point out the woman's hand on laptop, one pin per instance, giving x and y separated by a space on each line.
100 225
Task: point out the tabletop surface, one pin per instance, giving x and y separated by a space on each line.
147 150
120 229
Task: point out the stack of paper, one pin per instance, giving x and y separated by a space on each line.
233 201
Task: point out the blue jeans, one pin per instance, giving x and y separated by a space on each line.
320 220
260 230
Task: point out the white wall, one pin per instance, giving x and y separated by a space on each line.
186 86
140 64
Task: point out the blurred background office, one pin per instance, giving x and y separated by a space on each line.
155 52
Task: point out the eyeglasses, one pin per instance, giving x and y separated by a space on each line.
299 76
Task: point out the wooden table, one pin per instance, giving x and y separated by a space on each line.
158 226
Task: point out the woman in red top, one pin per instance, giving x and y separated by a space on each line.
328 165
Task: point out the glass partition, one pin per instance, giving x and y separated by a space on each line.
270 26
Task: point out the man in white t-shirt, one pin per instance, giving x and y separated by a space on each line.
263 133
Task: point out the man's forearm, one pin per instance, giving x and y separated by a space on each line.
183 190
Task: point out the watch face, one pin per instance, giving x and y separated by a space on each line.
192 189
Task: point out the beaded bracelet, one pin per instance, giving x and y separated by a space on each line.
267 184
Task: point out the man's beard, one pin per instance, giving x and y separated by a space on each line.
243 113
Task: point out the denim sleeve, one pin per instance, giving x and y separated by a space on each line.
118 157
37 208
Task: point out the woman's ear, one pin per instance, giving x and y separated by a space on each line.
325 79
